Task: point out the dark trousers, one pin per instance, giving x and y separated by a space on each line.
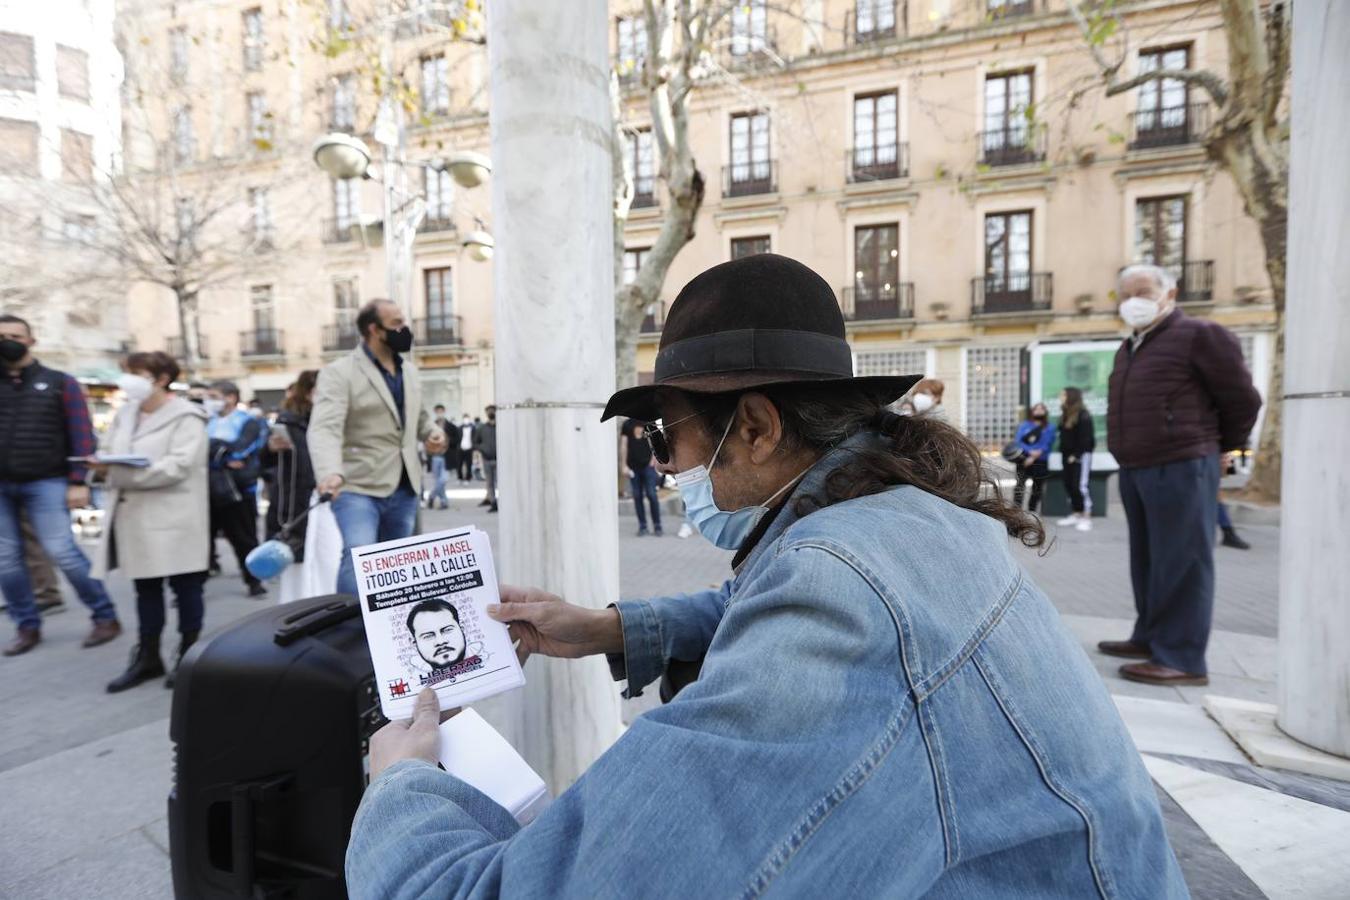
238 521
1035 472
644 483
1171 511
187 593
1076 482
466 465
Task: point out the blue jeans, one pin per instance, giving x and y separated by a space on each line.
45 503
369 520
644 484
438 479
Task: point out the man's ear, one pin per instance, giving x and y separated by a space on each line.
759 426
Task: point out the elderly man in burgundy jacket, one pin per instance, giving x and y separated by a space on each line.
1180 396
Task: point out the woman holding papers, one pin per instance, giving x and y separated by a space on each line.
156 520
887 705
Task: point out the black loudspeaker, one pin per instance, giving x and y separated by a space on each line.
271 725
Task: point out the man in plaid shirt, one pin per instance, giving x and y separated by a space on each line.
43 423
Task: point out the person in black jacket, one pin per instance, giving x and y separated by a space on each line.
1076 443
485 442
287 459
235 456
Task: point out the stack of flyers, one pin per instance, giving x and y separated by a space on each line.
424 600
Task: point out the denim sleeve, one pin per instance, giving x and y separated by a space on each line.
773 770
665 628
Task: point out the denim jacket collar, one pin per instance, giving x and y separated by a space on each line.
812 483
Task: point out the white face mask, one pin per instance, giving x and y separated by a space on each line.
922 402
213 406
1140 312
137 388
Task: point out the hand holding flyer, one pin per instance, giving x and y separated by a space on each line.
424 602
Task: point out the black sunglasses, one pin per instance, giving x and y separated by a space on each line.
655 433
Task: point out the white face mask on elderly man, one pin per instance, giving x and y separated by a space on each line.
1139 312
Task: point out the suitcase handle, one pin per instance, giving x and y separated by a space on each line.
316 619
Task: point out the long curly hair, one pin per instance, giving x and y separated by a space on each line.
928 454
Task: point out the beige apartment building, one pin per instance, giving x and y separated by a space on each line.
953 167
235 94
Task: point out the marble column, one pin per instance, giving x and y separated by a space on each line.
553 283
1314 682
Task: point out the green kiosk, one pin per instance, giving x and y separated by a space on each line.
1085 365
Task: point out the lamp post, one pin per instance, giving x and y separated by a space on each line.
344 156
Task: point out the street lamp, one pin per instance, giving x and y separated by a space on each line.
342 155
479 244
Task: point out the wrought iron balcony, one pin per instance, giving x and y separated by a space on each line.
341 231
1007 9
870 31
177 348
438 331
877 163
644 192
1169 126
260 342
1195 283
879 303
748 179
654 321
1017 144
436 222
1016 292
339 337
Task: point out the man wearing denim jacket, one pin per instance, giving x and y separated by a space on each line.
873 716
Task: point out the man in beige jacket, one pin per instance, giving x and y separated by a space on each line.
363 435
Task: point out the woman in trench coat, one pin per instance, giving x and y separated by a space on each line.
156 518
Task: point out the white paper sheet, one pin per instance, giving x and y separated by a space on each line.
424 602
473 751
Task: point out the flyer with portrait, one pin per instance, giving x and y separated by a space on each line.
424 601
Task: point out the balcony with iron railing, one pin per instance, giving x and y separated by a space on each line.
1016 144
260 342
438 331
744 48
339 337
1195 280
341 231
863 164
436 222
995 10
1016 292
1169 126
872 27
654 320
750 178
644 192
177 348
879 303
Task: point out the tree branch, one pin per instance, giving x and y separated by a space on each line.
1212 84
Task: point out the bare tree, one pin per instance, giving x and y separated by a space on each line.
1249 139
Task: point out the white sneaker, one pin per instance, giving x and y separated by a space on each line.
685 530
1067 520
1084 525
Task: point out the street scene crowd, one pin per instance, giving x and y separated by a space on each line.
918 575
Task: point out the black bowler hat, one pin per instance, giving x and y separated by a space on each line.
748 323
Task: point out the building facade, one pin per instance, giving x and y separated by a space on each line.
60 129
241 91
956 171
953 167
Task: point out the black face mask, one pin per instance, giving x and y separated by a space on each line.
399 341
12 350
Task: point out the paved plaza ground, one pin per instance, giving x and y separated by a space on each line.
84 775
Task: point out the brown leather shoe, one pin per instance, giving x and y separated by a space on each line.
1152 673
1127 649
25 639
103 632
